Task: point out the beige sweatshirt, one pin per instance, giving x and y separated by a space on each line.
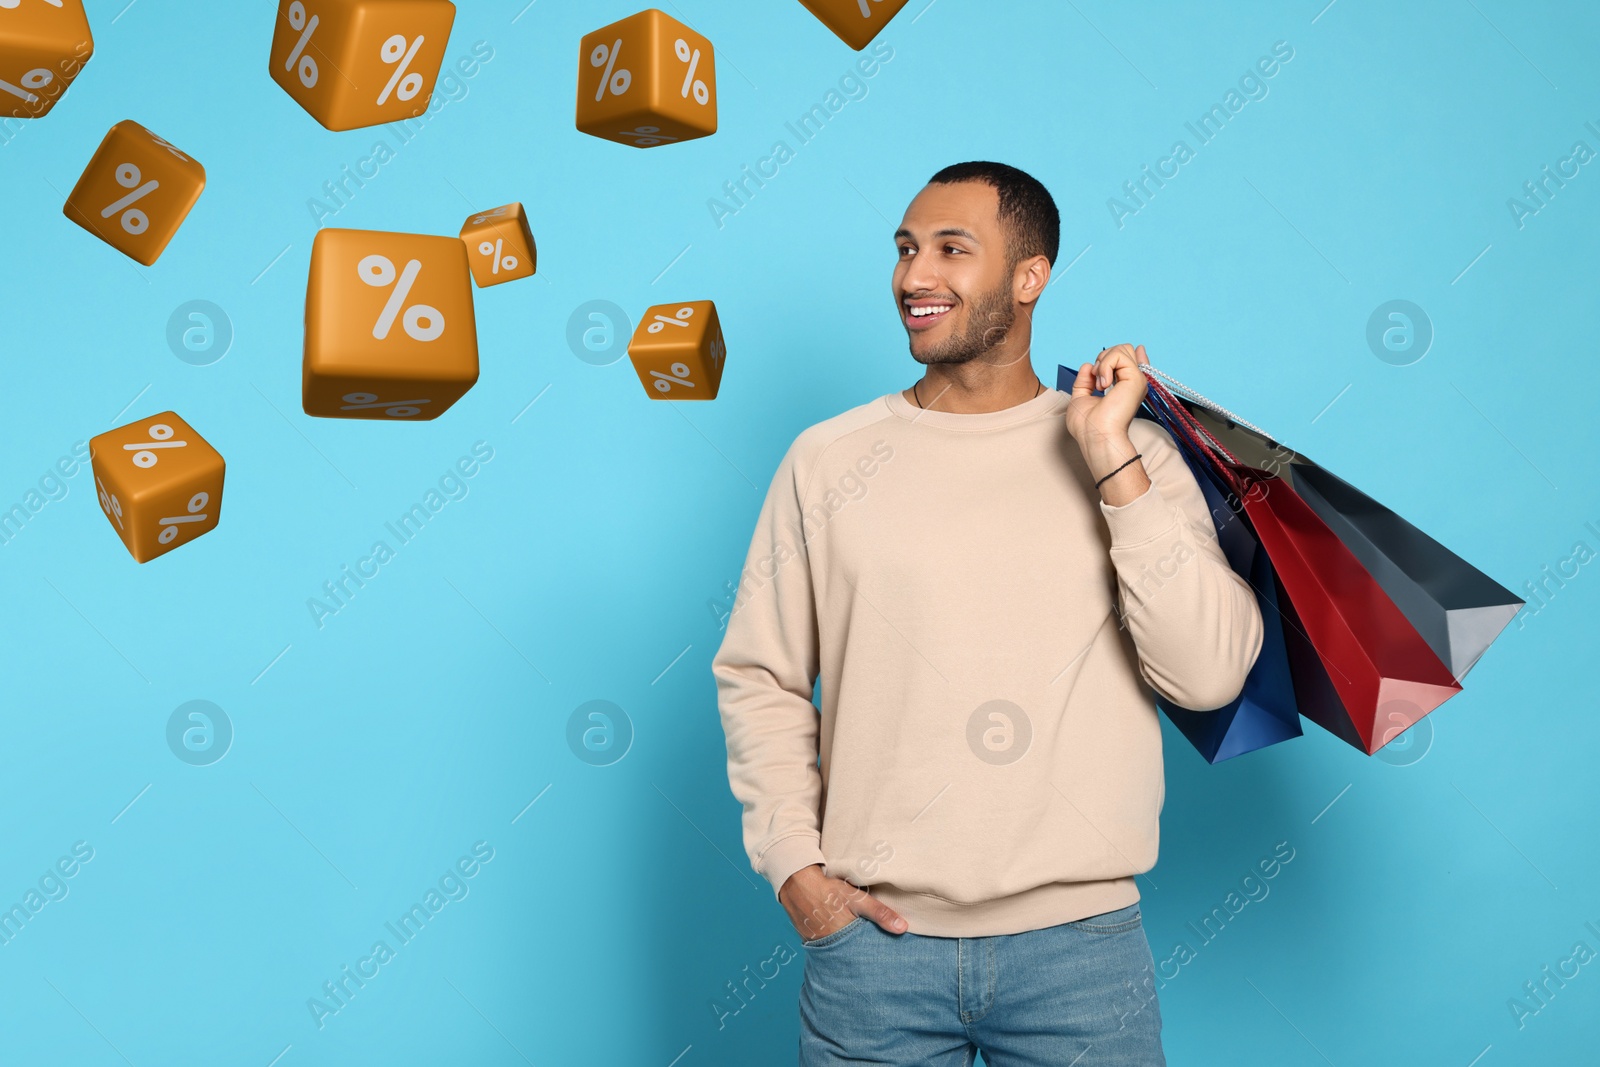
986 630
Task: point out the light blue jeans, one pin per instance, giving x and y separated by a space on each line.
1080 993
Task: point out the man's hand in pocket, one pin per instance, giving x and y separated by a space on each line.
818 905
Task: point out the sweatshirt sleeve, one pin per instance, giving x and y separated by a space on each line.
766 671
1195 622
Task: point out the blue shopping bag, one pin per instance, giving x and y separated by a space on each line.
1265 711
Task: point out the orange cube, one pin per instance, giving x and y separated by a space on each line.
855 22
354 63
160 483
136 192
499 245
647 80
43 46
390 332
677 351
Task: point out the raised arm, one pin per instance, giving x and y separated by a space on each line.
1195 622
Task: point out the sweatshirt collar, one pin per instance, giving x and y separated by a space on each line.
1046 403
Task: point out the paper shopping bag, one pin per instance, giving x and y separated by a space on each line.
1355 658
1457 608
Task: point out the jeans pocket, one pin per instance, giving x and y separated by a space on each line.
833 937
1111 922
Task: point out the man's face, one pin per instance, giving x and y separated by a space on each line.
952 268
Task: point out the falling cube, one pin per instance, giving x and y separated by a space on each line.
855 22
678 351
390 332
136 192
43 46
159 483
647 80
499 245
355 63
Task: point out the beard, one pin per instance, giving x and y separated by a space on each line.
988 325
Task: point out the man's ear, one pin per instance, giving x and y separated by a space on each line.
1032 275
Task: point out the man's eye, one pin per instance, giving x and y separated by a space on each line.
953 248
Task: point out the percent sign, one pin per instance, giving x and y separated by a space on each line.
34 79
109 501
679 376
866 12
701 93
144 451
134 220
170 147
607 58
170 526
396 409
494 249
422 323
298 21
394 51
681 319
680 371
646 136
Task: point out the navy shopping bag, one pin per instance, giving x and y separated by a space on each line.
1265 711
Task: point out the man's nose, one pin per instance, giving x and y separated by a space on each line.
919 274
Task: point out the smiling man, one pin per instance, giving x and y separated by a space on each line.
989 578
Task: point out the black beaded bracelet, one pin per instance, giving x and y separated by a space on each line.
1136 455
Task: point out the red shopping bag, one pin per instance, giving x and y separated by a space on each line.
1358 663
1458 609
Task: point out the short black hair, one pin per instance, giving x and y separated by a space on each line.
1027 210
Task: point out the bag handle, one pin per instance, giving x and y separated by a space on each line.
1192 429
1203 401
1184 425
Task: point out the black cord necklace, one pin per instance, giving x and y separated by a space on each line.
919 382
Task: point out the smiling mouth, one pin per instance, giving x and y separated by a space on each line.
922 318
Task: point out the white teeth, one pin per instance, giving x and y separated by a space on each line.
918 313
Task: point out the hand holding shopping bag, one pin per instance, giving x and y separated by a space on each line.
1265 711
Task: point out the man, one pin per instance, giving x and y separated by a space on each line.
988 577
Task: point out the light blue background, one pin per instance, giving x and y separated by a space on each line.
592 550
